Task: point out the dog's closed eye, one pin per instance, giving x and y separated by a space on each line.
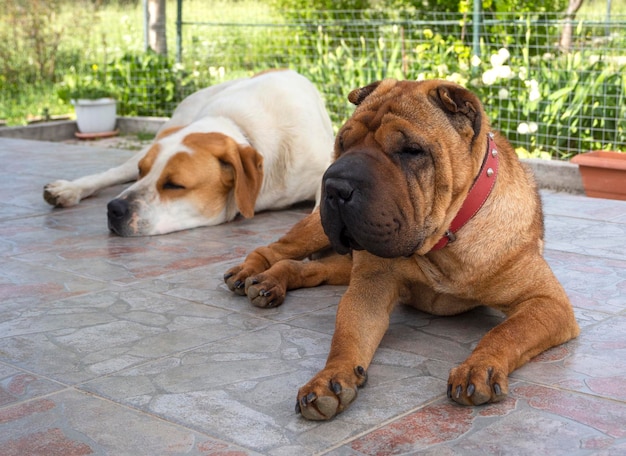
173 186
412 151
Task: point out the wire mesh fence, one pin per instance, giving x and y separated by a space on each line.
554 85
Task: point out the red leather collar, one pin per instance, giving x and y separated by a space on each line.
478 194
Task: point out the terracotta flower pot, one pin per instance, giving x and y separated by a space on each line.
603 173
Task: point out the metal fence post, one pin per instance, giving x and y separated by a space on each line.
146 25
179 31
476 19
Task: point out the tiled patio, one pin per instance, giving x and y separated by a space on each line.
134 346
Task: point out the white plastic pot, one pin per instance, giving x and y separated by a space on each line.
95 116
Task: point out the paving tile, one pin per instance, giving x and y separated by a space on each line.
101 256
591 282
81 338
75 424
575 207
587 237
18 385
24 285
533 420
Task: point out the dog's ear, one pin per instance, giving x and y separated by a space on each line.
358 95
248 166
455 100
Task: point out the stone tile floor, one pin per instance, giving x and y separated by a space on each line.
133 346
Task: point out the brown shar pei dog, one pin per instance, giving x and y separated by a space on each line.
424 206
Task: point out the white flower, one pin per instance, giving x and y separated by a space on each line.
523 128
475 61
526 128
458 78
534 95
504 72
442 69
490 77
532 84
523 73
496 60
503 94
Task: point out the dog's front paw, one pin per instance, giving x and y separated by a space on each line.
329 393
475 384
263 290
61 193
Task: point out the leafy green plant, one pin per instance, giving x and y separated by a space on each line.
149 84
92 85
556 104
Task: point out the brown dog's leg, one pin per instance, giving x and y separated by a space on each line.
362 319
533 325
304 239
268 289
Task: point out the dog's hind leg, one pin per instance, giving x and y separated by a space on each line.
63 193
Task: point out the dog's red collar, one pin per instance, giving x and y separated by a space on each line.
478 194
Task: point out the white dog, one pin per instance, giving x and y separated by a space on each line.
242 146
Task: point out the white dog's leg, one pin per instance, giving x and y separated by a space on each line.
63 193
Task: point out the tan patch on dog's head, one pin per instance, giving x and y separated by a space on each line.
147 161
216 167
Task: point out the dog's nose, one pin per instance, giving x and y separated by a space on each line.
117 209
338 190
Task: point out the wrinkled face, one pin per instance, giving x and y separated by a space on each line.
404 161
185 181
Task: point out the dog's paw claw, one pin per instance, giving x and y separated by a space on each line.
239 288
329 394
475 385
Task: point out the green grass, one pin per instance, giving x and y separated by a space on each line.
31 103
